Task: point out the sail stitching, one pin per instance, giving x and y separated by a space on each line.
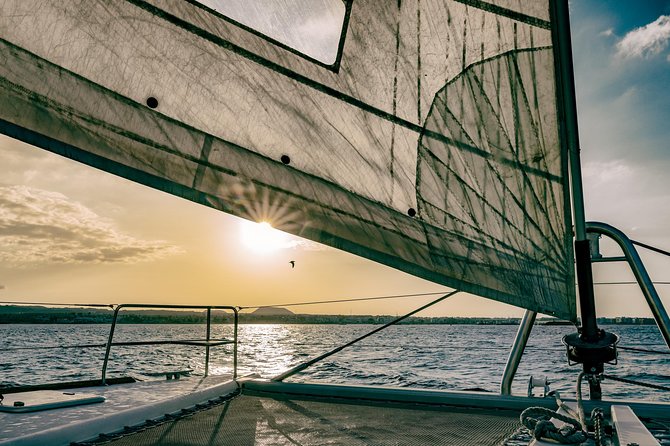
529 218
394 108
464 183
491 207
504 184
540 147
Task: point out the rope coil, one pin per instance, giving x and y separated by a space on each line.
537 420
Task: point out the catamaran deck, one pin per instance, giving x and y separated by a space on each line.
124 405
264 420
218 411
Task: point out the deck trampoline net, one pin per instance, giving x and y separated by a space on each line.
251 420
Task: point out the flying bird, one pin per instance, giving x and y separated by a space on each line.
292 262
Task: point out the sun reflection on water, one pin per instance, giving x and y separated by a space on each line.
273 344
421 356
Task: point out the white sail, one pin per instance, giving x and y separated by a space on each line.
430 143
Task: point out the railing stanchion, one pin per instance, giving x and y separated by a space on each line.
641 275
236 320
109 344
516 352
207 344
209 325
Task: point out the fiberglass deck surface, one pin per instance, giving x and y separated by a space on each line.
251 420
118 398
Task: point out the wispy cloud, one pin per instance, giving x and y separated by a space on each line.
37 226
608 32
605 173
646 41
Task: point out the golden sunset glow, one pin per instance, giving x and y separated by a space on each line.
262 238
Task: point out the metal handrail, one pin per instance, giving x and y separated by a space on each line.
516 352
640 272
207 343
644 281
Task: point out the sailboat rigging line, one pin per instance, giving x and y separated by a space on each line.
441 347
435 347
189 342
334 301
300 367
637 383
49 347
57 304
651 248
643 350
628 283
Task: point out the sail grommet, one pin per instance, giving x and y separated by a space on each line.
411 212
152 102
285 159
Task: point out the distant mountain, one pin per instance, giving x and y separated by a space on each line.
272 311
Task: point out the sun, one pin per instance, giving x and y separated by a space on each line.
262 238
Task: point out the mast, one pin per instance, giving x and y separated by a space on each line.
570 136
592 346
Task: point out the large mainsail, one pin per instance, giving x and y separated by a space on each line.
430 144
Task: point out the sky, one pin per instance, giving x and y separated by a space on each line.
70 233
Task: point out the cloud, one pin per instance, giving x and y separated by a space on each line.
607 33
310 27
646 41
37 226
606 173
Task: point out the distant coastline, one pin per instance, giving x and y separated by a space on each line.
16 314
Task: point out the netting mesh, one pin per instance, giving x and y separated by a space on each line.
248 420
430 145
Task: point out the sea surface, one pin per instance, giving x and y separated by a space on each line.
454 357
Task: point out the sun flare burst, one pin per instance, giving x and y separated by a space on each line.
262 238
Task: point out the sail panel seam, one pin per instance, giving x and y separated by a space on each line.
335 66
204 158
510 14
325 89
68 111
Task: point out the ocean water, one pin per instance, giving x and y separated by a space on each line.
454 357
